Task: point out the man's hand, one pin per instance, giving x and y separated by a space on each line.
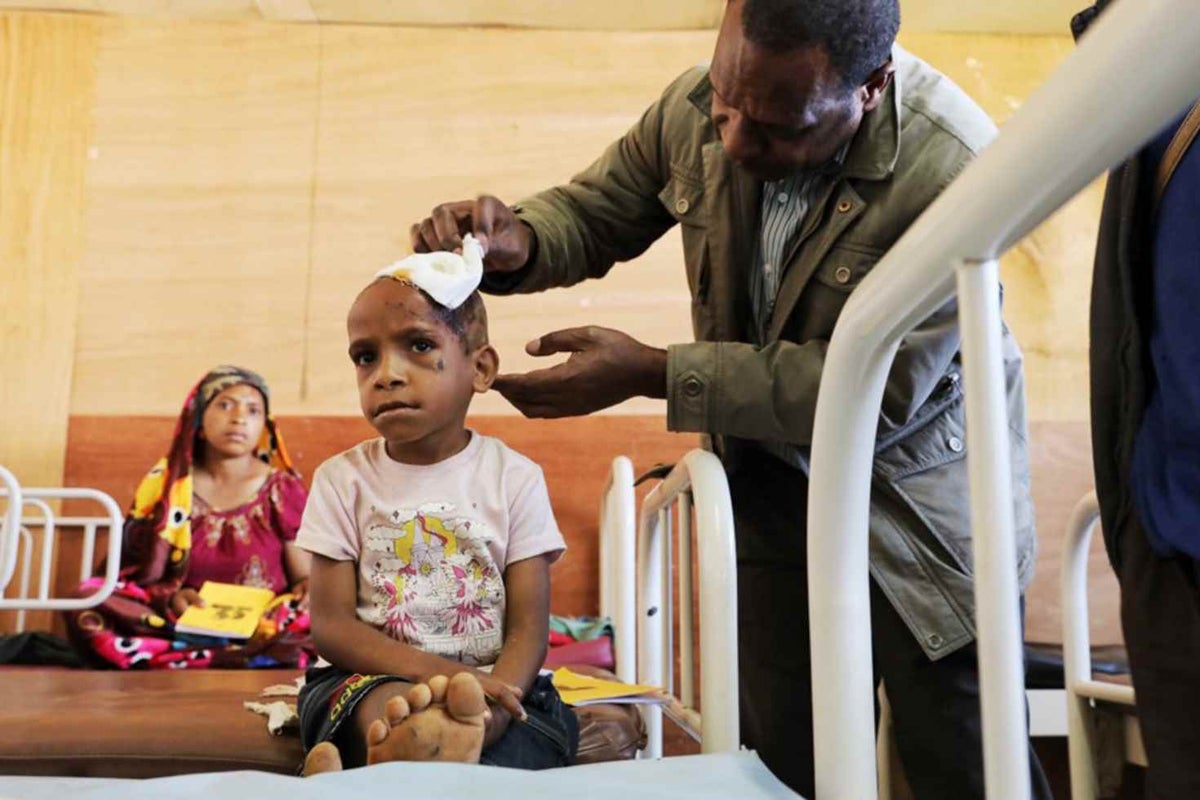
506 240
184 598
605 367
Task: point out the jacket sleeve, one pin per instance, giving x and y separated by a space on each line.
770 393
608 213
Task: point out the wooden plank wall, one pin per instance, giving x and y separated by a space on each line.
46 69
45 103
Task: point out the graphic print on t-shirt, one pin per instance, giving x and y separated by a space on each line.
435 583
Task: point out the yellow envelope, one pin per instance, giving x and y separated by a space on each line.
230 611
576 689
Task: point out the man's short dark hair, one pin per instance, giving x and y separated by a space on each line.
857 34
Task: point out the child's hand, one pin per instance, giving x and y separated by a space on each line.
503 694
184 598
497 723
299 590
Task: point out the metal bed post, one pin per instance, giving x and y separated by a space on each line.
698 485
618 565
1077 654
10 526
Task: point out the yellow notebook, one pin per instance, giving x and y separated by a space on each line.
582 690
230 611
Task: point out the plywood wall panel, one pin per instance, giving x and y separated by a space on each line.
199 208
411 118
47 72
246 178
1014 16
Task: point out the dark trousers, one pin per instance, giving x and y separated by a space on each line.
935 704
1160 614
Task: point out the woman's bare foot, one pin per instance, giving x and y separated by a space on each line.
322 758
439 721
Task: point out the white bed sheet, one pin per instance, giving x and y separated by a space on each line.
740 776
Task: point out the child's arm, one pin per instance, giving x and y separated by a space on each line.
526 629
355 646
298 564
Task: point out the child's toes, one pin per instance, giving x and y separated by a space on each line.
419 696
322 758
464 698
396 710
377 733
437 686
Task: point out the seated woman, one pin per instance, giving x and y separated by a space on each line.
223 505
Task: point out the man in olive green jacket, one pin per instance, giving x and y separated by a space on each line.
811 143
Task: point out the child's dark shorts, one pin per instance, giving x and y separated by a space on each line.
548 738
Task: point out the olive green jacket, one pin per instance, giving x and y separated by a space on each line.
670 169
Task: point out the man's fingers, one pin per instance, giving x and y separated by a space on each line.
542 411
483 215
425 237
540 385
449 221
570 340
535 399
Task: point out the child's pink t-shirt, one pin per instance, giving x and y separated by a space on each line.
432 542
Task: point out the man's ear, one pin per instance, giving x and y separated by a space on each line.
876 84
486 363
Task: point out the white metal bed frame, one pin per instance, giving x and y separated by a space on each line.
16 544
1083 691
635 592
1098 107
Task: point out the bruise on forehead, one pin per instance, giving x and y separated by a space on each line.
468 322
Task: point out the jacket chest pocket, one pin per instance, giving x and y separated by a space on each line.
821 302
683 199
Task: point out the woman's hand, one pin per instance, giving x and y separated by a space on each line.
184 598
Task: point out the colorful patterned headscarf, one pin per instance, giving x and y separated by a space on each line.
158 532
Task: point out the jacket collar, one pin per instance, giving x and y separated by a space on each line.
874 149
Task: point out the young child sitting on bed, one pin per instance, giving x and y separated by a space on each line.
431 551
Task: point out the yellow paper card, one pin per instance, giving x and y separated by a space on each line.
230 611
576 689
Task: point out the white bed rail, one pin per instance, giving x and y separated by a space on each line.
618 565
697 489
1133 72
16 539
10 526
1082 690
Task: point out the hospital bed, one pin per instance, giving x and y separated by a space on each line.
109 709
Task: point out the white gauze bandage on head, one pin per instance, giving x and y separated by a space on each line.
446 277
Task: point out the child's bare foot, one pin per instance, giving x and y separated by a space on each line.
322 758
439 721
